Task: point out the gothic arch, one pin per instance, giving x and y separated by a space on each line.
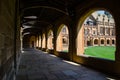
50 39
80 43
62 34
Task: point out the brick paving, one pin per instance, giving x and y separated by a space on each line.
38 65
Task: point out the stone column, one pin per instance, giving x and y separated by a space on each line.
38 41
59 42
80 41
99 42
117 26
110 41
105 42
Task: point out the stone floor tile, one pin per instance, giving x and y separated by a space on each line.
38 65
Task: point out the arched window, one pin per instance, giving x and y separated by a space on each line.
62 39
50 40
101 26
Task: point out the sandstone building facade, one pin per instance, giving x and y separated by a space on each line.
99 30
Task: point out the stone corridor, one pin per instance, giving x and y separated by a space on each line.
38 65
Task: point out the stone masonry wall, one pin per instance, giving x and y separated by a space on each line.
7 41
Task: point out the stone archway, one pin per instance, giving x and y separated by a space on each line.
50 40
96 42
102 42
62 39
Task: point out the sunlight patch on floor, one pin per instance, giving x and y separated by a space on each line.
53 55
71 63
108 78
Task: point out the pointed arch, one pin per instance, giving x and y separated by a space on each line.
50 39
62 38
101 27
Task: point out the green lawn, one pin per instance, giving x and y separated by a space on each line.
107 52
65 51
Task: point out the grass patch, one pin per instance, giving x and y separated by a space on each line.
65 50
107 52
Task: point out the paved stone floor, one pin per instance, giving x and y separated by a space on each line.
38 65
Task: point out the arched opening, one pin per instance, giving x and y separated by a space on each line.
50 40
96 27
62 39
113 42
32 42
95 42
102 42
43 41
108 42
88 43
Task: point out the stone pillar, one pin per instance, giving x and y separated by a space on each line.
105 42
43 41
73 40
80 41
99 42
55 41
49 43
85 42
46 41
117 26
92 42
110 41
59 42
38 41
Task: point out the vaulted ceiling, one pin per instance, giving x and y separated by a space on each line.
39 14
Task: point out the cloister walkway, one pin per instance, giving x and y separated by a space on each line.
38 65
